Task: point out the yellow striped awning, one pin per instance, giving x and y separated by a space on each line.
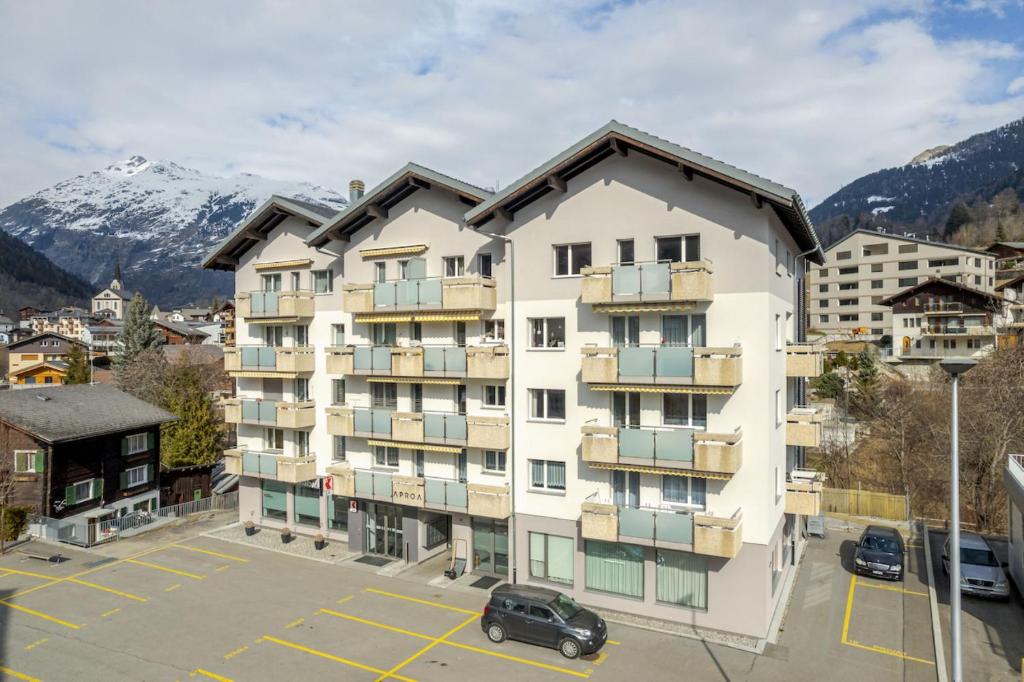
273 265
415 446
438 316
639 307
688 473
436 381
370 318
271 320
257 374
393 251
662 388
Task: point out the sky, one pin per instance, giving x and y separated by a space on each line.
810 94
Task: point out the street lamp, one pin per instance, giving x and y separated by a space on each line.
955 367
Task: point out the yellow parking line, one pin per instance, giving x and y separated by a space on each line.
612 641
332 657
849 608
866 647
525 661
600 658
40 614
887 652
346 598
158 567
219 555
172 588
38 642
375 624
208 674
77 581
891 588
111 612
18 676
414 600
439 640
295 623
240 650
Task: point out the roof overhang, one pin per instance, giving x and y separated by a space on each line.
911 291
616 139
377 202
255 229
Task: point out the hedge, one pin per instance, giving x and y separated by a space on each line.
15 521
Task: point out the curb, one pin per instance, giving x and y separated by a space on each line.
933 602
210 534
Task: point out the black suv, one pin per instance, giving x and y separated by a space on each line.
879 553
540 616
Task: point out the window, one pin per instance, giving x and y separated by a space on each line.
494 461
302 443
28 461
876 267
338 334
275 500
384 395
877 331
494 395
273 439
416 397
877 283
570 259
847 301
547 475
614 568
823 319
822 288
876 317
337 391
83 491
681 579
908 248
380 271
822 303
547 403
384 334
416 331
848 271
823 272
338 453
385 456
907 281
779 332
626 251
484 264
494 330
849 286
307 505
879 249
908 265
676 249
684 490
977 280
977 262
547 332
844 255
420 460
679 409
848 318
301 335
134 476
551 558
780 409
271 282
323 281
454 266
135 443
942 262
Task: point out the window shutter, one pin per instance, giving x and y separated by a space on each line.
124 480
40 461
151 440
149 473
124 446
97 487
69 495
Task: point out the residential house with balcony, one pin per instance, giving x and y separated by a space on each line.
39 359
593 378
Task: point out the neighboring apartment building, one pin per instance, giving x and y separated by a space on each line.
845 294
70 322
1013 480
39 359
81 453
939 319
560 379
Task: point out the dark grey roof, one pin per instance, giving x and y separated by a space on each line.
910 291
1012 245
180 328
62 413
319 209
30 339
900 237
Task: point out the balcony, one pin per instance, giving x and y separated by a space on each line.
957 330
298 415
473 362
274 306
269 361
271 465
718 536
803 427
638 283
804 360
491 501
940 308
663 366
663 447
803 492
636 525
418 295
412 491
440 428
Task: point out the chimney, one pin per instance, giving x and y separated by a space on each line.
355 191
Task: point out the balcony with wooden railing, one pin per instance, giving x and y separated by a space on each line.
427 294
803 427
662 365
276 413
269 361
804 360
274 306
804 491
428 428
444 361
650 282
663 447
275 466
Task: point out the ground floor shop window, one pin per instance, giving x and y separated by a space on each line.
275 500
436 532
337 513
682 579
551 558
307 506
615 568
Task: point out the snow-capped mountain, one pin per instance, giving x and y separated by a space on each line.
918 196
156 217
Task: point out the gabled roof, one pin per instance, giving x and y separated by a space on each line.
911 291
902 238
1010 282
124 294
255 228
58 365
55 335
179 328
62 413
1012 245
616 138
376 202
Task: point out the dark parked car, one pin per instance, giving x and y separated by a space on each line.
541 616
879 553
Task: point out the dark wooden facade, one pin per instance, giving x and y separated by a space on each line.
184 484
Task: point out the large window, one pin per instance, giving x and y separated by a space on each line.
385 456
570 259
551 558
337 513
547 404
614 568
852 270
677 249
679 409
384 396
907 281
547 475
307 505
908 265
684 490
547 332
323 281
275 500
681 579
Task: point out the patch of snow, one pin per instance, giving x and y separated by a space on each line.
875 199
882 209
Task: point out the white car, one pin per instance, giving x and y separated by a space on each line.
981 574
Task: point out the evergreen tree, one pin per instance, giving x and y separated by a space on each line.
1000 232
865 385
828 385
958 217
138 333
78 366
196 437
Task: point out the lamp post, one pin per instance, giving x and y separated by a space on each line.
955 367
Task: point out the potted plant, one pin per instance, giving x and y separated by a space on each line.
250 528
286 535
319 541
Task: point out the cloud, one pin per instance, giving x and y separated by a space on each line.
1016 86
811 95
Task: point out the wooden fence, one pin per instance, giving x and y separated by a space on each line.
865 503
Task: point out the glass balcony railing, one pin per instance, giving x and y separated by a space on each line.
272 465
262 358
374 421
259 412
656 525
649 281
374 484
424 294
444 427
445 494
672 445
662 364
372 359
254 305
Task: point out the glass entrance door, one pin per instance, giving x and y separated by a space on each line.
384 530
490 546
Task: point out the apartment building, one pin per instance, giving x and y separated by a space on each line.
591 379
845 294
1013 481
